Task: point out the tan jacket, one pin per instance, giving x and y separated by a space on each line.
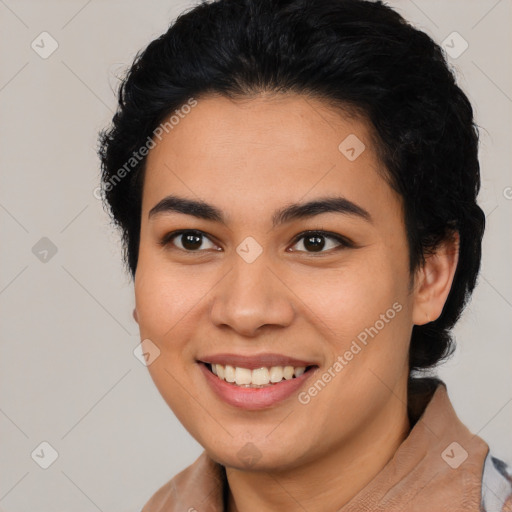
438 468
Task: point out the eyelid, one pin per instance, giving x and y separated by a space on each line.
342 241
166 239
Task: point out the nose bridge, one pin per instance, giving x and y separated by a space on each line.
251 296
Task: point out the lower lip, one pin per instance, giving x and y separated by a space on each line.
254 398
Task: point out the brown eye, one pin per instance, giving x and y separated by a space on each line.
187 240
315 241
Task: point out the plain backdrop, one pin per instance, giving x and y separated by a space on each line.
68 374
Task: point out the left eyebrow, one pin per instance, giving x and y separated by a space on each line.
293 211
336 204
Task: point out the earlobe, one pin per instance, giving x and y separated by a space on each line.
433 281
135 317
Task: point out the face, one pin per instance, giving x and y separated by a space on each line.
249 284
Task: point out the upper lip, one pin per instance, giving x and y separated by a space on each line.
256 361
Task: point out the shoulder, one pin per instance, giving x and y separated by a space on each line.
496 485
199 486
164 496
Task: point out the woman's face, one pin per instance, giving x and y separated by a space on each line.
251 290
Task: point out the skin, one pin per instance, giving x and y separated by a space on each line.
250 158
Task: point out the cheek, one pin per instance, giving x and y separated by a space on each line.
168 295
348 299
364 314
368 316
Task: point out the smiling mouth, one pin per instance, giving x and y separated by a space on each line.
259 377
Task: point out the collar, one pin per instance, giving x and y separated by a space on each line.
438 467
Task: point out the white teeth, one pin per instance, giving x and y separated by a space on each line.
288 372
259 377
229 373
242 376
276 374
299 371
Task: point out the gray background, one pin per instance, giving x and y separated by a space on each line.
68 374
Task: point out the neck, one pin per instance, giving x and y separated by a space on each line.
333 479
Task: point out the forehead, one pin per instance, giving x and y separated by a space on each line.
258 153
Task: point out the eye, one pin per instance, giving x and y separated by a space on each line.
189 240
316 241
192 240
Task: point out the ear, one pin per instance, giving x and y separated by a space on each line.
433 281
135 317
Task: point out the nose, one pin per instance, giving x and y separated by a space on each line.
252 296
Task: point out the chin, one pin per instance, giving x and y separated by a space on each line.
249 456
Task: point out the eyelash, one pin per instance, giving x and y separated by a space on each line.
166 241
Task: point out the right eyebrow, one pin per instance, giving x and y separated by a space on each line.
293 211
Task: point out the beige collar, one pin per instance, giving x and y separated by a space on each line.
437 468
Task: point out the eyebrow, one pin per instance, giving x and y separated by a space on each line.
290 212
